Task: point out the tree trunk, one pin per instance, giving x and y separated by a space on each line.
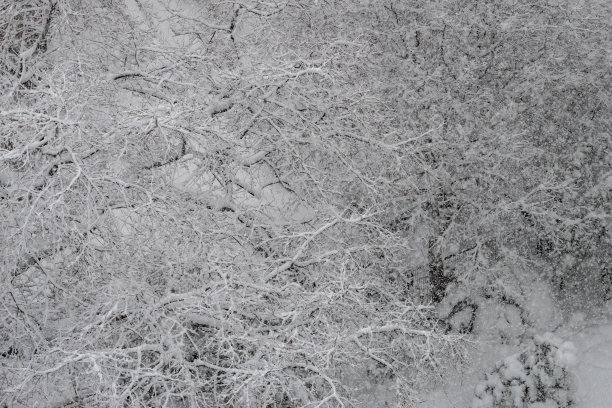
437 278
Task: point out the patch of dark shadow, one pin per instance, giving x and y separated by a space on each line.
10 352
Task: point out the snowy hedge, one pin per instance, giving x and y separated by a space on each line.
537 377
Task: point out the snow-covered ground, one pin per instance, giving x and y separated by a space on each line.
594 369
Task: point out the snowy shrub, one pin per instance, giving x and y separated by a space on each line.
538 376
494 309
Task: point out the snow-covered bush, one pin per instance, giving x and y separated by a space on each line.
489 308
538 376
504 305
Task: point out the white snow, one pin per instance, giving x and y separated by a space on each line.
567 354
593 371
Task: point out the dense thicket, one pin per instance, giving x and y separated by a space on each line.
249 203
